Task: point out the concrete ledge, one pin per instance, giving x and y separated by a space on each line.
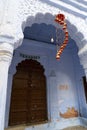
54 125
16 128
83 121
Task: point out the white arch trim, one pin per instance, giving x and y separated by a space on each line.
19 14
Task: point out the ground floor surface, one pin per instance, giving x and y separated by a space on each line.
69 128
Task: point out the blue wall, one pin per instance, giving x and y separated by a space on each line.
64 77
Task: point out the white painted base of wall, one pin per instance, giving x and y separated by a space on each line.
54 125
83 122
59 125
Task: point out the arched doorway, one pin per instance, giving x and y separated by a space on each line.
28 99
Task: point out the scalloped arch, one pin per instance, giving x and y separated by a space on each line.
48 18
25 63
75 30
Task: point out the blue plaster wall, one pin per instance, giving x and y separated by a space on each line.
64 78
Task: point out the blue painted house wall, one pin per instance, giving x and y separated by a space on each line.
64 78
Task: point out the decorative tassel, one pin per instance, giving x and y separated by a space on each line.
60 18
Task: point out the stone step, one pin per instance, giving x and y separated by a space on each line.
69 128
76 128
16 128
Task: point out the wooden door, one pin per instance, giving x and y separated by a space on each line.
18 110
37 99
28 101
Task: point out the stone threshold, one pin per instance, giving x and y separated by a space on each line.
76 128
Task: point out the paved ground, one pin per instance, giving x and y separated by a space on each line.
70 128
76 128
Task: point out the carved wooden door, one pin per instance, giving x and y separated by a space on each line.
28 101
37 97
18 110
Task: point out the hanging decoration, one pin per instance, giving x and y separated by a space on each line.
60 19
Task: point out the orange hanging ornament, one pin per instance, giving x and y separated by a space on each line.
60 19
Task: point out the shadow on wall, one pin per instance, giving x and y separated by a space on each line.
77 5
48 20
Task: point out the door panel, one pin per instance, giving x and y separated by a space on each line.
18 110
28 100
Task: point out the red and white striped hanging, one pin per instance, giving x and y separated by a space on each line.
60 18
